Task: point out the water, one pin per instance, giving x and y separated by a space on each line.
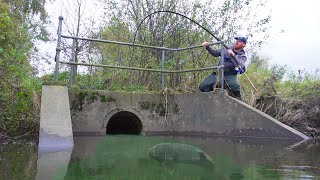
126 157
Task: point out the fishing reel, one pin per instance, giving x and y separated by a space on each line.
238 70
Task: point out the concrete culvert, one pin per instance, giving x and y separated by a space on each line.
124 122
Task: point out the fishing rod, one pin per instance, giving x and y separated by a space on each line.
207 30
172 12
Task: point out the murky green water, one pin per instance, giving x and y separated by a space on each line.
126 157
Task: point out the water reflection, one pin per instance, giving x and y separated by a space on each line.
126 157
53 162
18 161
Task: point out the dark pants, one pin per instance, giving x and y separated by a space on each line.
230 79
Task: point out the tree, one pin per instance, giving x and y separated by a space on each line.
30 14
16 86
78 22
168 30
14 68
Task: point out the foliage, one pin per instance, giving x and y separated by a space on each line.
172 31
30 14
297 86
85 81
16 85
284 94
277 80
26 8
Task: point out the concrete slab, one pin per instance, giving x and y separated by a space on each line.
55 119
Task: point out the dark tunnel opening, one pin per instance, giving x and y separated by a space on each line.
124 122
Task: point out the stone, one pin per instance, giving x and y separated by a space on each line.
180 153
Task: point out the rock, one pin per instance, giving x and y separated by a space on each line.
180 153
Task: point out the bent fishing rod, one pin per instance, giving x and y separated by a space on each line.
207 30
172 12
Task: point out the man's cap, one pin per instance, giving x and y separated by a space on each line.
241 39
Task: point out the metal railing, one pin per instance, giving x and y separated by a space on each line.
163 49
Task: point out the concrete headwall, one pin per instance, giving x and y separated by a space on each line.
208 114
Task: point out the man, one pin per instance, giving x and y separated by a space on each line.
231 68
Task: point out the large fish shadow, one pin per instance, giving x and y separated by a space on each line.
171 153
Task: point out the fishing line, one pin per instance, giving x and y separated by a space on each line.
172 12
235 62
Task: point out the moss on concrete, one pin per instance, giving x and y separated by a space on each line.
175 108
111 99
103 98
144 105
161 109
92 97
158 107
81 99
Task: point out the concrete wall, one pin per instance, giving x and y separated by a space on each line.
55 119
210 114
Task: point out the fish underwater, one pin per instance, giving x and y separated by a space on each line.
180 153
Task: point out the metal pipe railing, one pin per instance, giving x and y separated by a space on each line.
72 60
222 69
162 66
163 49
141 69
58 49
137 45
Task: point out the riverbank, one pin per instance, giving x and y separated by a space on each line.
28 138
301 114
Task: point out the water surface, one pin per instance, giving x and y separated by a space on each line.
126 157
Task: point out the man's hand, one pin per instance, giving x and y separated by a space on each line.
230 52
205 44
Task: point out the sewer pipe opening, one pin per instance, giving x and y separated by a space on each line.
124 122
